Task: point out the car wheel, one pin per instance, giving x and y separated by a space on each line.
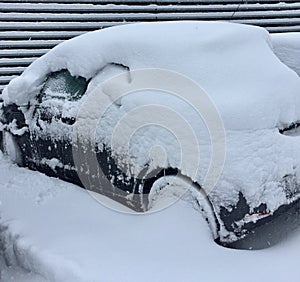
159 193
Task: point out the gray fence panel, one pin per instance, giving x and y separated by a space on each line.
29 28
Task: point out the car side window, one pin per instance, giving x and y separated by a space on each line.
62 85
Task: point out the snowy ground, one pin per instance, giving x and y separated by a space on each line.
51 230
57 232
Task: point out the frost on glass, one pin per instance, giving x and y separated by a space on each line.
63 85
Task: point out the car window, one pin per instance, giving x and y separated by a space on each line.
62 85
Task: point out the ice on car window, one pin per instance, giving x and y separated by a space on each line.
63 85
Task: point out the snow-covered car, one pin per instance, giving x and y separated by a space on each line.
256 96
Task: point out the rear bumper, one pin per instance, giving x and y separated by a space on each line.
269 230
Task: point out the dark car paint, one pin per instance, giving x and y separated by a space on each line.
35 148
270 230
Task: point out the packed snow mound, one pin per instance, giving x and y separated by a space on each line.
234 64
287 48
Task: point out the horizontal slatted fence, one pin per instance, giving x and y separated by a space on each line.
29 28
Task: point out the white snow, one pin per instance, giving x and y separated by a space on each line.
287 48
17 274
54 231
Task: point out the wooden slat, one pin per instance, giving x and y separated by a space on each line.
29 43
11 70
43 26
271 22
6 79
16 35
280 29
141 2
153 8
115 17
16 62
